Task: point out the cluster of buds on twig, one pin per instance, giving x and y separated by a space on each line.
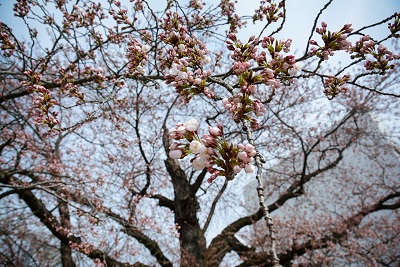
241 105
21 9
86 15
395 26
335 85
95 74
333 41
228 10
186 82
7 45
137 55
186 59
196 4
381 55
211 151
270 11
42 101
281 65
121 15
66 80
244 102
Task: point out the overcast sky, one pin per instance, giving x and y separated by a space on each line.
301 15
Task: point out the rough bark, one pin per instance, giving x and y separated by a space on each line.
65 250
192 241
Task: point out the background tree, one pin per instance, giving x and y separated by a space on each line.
96 166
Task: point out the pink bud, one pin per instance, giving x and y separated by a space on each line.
214 131
249 168
243 156
252 88
237 169
241 146
249 147
173 146
252 153
198 164
181 130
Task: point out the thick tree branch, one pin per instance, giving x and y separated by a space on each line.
46 217
351 224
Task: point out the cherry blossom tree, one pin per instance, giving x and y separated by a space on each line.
129 130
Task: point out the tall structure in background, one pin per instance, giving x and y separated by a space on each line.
369 166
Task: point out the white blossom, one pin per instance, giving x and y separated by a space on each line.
198 164
196 147
175 154
191 125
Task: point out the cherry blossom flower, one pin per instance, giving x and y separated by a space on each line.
175 154
196 147
199 164
211 151
191 125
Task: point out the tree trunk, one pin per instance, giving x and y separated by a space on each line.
65 250
192 241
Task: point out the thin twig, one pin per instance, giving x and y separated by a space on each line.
260 191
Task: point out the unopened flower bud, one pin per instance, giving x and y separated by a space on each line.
249 147
181 130
249 168
214 131
243 156
237 169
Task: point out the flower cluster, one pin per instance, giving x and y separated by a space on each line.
335 85
42 101
66 81
333 41
86 15
21 8
228 10
241 105
270 11
282 66
186 59
211 151
137 55
362 47
7 45
95 74
196 4
395 26
243 102
381 55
